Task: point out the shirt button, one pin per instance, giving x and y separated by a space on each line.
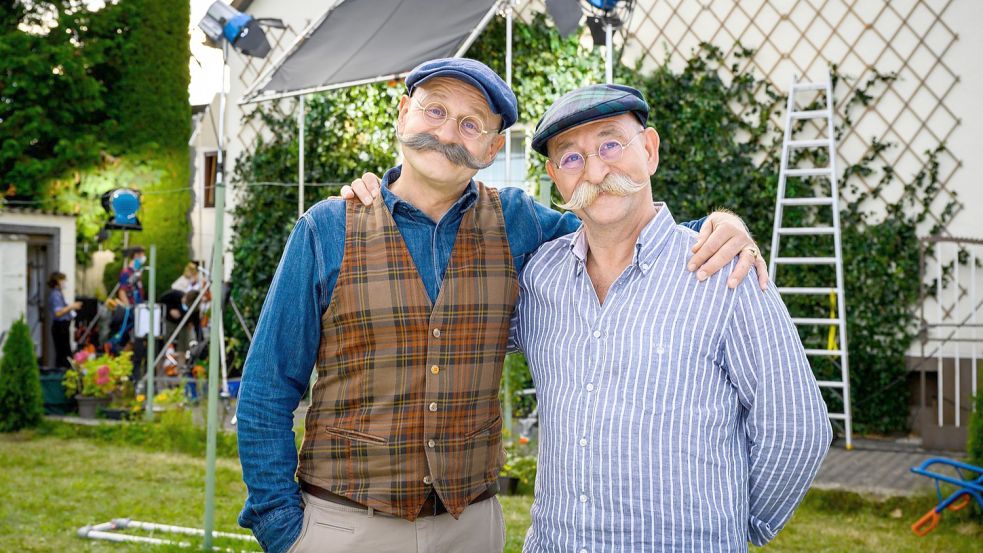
597 333
583 499
590 388
433 407
436 333
645 266
427 480
583 441
583 551
431 443
435 369
660 350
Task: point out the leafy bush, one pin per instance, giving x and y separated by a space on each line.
174 431
21 403
974 445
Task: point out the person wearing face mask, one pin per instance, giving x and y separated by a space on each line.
130 287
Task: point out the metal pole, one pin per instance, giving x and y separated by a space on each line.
973 306
957 376
151 335
242 320
300 156
609 56
938 311
923 324
225 371
214 359
508 178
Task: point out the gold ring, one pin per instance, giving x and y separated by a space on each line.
753 251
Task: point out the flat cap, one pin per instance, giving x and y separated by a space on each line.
586 104
499 96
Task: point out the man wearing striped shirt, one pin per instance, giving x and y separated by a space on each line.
676 415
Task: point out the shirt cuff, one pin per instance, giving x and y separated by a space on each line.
278 530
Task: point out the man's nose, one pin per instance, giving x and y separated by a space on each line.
447 132
595 170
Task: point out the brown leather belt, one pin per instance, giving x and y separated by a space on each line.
433 506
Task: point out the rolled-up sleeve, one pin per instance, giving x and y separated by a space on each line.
787 425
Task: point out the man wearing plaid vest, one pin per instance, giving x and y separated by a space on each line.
402 304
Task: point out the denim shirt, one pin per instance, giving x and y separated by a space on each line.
285 346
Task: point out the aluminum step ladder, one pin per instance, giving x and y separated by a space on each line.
795 114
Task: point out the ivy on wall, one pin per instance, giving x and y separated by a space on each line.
710 156
95 99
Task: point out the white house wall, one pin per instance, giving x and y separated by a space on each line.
243 70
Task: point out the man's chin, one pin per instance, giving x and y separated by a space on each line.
608 208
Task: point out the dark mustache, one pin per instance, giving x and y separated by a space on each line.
455 153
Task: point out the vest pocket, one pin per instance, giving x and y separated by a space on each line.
355 435
485 428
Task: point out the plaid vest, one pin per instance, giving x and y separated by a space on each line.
406 399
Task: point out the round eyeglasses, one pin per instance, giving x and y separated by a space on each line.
470 126
610 151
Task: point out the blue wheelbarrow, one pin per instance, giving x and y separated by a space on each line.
967 487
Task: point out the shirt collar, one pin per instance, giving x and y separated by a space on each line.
394 202
648 246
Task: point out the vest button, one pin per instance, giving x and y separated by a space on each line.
435 369
431 443
436 333
427 480
433 407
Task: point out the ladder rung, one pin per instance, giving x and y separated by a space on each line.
829 383
806 230
805 260
810 321
837 416
817 143
808 172
806 290
810 114
800 87
807 201
824 352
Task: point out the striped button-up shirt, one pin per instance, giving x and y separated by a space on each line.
676 416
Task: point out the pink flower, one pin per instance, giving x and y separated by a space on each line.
102 380
81 356
103 371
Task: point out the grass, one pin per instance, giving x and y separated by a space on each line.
54 482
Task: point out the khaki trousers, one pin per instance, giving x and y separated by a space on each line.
333 528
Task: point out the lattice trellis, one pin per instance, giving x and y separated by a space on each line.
908 37
249 131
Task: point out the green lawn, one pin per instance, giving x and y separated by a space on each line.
50 486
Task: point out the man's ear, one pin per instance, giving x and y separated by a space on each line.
551 170
403 110
651 149
494 147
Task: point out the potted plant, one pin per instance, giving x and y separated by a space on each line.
519 470
95 381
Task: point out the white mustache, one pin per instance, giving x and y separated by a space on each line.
586 193
455 153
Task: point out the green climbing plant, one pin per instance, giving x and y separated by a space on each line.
711 156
